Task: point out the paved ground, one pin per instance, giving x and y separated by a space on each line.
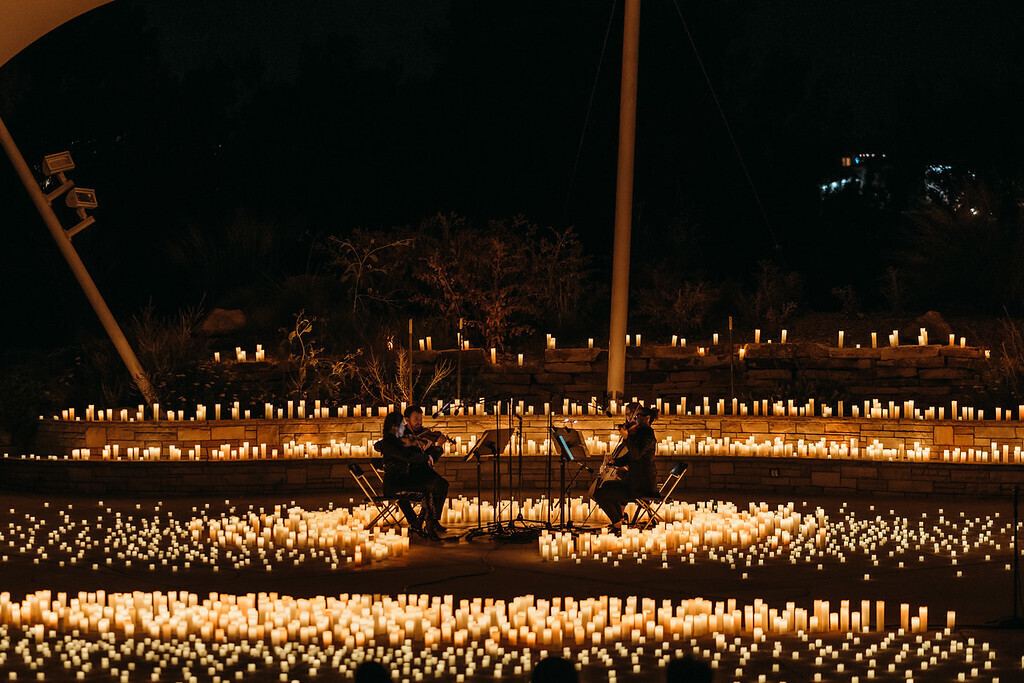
914 562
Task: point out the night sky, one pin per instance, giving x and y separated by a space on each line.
194 119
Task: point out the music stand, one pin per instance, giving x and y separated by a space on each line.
492 442
571 449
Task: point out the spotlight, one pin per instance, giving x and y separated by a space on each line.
57 163
82 198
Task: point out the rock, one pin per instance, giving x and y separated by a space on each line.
223 321
938 329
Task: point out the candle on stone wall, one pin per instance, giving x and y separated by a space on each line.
841 333
216 356
874 340
675 339
963 342
784 336
590 342
423 344
743 353
714 338
628 338
638 340
430 344
757 336
520 360
494 355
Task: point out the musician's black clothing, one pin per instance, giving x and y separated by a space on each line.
641 474
406 469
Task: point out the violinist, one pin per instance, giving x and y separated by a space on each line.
430 442
629 473
407 468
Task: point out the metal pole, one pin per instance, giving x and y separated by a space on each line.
77 267
623 202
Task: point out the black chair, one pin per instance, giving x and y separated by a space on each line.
388 507
648 507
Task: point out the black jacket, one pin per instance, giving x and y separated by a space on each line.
641 447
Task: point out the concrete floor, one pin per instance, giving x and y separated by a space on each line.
503 568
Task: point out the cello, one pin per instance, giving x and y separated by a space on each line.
609 471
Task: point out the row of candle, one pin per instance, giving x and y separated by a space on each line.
876 409
669 446
550 342
356 620
876 450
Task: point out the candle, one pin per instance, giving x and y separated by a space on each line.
841 333
757 336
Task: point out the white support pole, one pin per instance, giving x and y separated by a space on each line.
623 202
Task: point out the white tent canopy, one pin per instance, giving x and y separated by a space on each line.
22 22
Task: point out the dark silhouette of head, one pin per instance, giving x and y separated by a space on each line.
688 670
391 422
372 672
554 669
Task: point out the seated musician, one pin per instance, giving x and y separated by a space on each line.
408 468
635 473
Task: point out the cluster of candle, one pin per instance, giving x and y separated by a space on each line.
874 409
720 531
242 356
688 528
146 635
260 538
856 657
357 620
333 533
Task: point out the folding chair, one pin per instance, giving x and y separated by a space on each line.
649 507
387 506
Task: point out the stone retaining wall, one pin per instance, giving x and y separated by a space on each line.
707 476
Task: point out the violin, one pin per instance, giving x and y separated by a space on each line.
424 441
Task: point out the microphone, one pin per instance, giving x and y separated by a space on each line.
438 413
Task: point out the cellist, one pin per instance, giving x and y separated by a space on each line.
629 473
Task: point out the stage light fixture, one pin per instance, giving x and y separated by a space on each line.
82 198
57 163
